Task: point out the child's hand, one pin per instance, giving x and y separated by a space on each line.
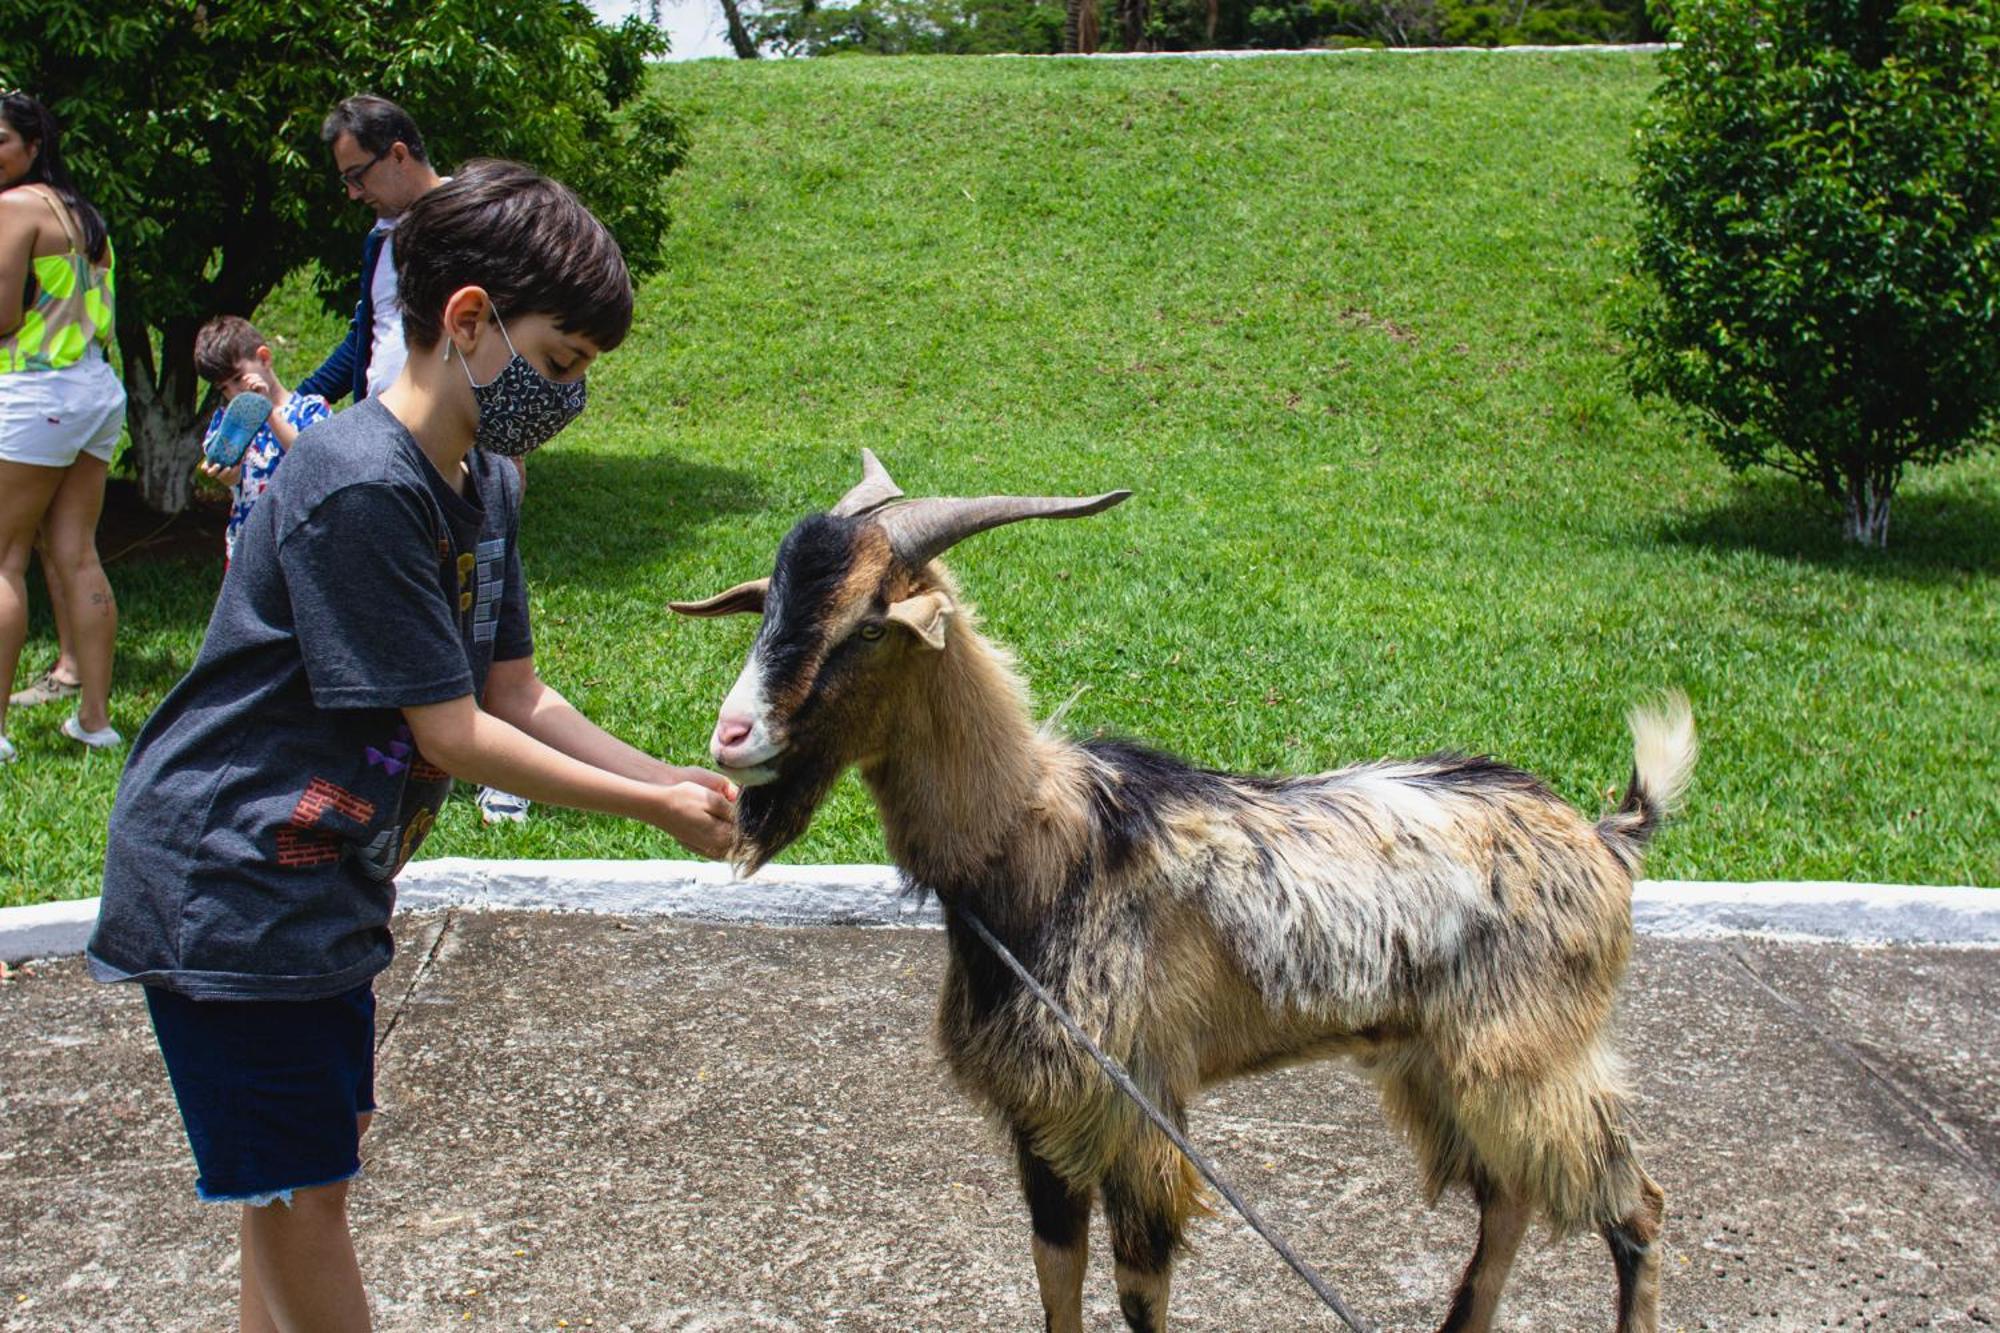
228 476
700 817
702 777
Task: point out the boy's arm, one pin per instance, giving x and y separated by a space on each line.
470 743
281 430
280 420
375 629
515 694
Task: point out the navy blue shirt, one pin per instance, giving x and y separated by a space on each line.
268 804
345 369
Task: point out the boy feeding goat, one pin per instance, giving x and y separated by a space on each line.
1448 922
371 643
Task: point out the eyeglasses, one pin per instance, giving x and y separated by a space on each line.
351 177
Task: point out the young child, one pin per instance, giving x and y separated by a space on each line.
233 356
371 643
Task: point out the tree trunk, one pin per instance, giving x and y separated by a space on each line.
1867 506
160 413
739 36
1132 24
1080 35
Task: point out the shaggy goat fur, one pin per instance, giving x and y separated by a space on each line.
1447 922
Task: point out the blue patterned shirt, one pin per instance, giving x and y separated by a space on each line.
261 459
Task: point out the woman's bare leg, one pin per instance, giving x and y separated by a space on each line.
25 494
64 668
71 531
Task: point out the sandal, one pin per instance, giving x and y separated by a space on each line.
47 688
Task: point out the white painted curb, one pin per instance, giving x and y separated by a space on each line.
46 929
867 895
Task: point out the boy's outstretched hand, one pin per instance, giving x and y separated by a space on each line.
700 811
704 777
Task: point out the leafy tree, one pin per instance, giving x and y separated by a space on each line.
1819 240
907 27
898 27
194 126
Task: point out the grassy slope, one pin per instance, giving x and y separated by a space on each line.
1341 324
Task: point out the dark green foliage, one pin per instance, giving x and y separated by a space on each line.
1819 238
909 27
1306 23
947 27
194 125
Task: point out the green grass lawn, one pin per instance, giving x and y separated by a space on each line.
1342 324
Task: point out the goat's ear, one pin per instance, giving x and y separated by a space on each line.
743 599
925 616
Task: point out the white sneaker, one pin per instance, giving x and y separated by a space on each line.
501 807
105 739
8 754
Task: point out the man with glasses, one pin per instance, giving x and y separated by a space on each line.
380 159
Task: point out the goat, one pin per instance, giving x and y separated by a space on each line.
1447 922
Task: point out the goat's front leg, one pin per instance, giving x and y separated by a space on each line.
1147 1198
1061 1218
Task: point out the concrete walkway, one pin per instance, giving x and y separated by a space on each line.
641 1123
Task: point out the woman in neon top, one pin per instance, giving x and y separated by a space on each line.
61 407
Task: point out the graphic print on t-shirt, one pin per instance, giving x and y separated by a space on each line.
397 757
311 837
421 792
486 614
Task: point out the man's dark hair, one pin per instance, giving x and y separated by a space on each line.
223 344
525 239
377 125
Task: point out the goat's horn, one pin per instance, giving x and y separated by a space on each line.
743 599
922 530
874 490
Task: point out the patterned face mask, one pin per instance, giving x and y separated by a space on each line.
520 409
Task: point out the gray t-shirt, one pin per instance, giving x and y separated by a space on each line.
269 802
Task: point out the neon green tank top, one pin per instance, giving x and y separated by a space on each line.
74 305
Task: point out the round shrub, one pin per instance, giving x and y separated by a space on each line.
1819 183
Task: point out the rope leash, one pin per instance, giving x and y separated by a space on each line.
1160 1122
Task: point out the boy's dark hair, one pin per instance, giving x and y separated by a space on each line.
377 125
35 123
525 239
224 343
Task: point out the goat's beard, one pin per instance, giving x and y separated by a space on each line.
773 815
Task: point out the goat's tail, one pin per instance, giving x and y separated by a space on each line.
1663 754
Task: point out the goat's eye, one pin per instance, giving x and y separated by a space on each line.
871 632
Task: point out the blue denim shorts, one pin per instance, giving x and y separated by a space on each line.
269 1089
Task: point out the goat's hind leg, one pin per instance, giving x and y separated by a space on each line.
1061 1218
1503 1219
1635 1252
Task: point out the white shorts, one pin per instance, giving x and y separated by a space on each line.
48 417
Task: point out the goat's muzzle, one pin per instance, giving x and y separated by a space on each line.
744 751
